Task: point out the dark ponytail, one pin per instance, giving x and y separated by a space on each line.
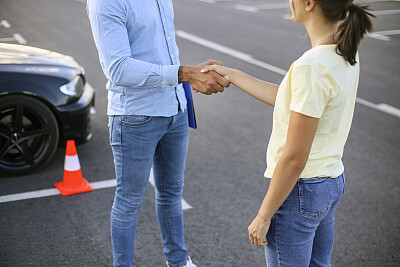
355 24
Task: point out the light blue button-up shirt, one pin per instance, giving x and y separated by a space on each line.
139 56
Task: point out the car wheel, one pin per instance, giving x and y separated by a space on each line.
29 134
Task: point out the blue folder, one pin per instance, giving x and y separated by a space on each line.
190 106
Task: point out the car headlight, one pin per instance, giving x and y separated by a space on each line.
73 88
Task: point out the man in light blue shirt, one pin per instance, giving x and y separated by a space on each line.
147 116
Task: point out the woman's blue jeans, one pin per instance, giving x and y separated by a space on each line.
138 143
302 230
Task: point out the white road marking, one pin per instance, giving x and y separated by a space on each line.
381 107
5 24
229 51
273 6
207 1
246 8
375 35
185 205
391 32
18 37
386 12
249 59
378 36
54 192
104 184
381 35
255 8
29 195
11 39
213 1
373 1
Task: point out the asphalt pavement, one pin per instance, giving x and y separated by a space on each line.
224 181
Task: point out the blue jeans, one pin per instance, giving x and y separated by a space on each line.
138 142
302 230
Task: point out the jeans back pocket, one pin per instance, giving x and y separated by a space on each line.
315 196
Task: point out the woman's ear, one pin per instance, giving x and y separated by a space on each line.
310 4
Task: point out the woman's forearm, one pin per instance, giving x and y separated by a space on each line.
291 164
264 91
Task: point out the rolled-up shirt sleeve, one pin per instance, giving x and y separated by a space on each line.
108 21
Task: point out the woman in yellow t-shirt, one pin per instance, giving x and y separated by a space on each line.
313 111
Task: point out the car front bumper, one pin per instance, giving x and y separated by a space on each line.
75 121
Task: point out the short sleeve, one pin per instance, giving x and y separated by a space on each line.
310 91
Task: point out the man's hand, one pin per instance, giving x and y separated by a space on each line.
206 83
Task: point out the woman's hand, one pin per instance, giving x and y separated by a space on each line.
221 70
258 230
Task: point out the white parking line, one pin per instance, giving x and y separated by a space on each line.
185 205
386 12
213 1
5 24
255 8
18 37
207 1
392 32
246 8
29 195
54 192
248 58
229 51
374 1
11 39
381 107
381 35
378 36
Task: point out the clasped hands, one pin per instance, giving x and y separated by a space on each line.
203 78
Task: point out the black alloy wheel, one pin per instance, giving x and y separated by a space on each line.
29 134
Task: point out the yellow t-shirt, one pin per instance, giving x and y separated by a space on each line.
323 85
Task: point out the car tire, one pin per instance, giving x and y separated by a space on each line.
29 134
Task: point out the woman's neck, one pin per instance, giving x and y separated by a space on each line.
320 31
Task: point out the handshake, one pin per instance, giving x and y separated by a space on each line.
207 78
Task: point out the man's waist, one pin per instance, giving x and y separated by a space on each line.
160 103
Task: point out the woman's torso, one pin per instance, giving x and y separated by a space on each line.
323 85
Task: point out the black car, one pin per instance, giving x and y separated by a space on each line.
44 100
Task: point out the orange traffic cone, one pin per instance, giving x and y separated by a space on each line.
73 182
